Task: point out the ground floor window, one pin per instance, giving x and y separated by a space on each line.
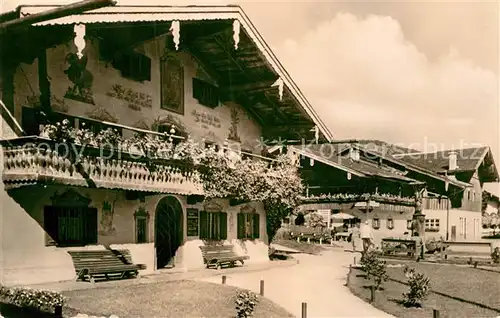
213 225
390 223
376 223
248 226
70 226
432 225
141 225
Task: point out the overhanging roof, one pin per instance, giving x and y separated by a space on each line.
156 14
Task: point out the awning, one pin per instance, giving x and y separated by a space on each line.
342 216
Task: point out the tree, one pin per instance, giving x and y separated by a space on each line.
300 220
316 220
486 220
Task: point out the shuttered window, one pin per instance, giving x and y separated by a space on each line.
206 93
248 226
213 225
71 226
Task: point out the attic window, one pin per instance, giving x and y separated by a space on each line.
206 93
133 65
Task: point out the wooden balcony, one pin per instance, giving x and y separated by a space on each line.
36 160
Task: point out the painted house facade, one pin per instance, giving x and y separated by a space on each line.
203 72
378 184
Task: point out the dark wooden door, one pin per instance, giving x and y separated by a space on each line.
168 231
453 233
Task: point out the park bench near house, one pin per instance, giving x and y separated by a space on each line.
104 264
300 232
400 248
467 252
218 255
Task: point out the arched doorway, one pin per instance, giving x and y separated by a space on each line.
168 230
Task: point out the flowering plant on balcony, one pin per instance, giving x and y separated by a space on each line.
223 174
349 197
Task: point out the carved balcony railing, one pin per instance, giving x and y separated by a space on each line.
36 160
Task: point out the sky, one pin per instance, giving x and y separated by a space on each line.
422 74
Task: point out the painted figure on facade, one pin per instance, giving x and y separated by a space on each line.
106 224
81 78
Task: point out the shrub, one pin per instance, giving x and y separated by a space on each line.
39 300
419 286
245 304
495 255
374 268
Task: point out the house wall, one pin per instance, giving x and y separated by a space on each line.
467 224
26 258
105 76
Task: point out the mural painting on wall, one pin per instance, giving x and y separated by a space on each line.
165 123
233 129
102 115
206 120
55 103
172 84
82 79
141 124
135 100
106 225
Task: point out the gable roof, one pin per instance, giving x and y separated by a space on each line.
153 14
467 159
360 168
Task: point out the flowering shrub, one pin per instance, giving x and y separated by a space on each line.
495 255
419 287
374 268
40 300
316 220
224 174
245 304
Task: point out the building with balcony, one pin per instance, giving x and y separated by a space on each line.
203 72
376 181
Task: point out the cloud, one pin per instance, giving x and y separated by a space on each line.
367 81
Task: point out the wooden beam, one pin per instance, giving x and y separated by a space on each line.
43 81
223 46
62 11
243 88
196 55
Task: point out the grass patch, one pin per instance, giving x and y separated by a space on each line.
166 299
454 291
304 247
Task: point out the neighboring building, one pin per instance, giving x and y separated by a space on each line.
342 176
491 203
203 71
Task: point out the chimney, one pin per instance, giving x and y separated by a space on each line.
452 160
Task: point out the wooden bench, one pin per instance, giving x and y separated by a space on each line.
400 248
90 265
467 252
219 255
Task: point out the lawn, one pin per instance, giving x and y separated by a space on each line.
166 299
457 291
308 248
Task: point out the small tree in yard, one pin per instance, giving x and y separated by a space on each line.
495 255
419 288
374 268
316 221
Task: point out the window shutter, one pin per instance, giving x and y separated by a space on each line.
256 226
241 226
223 225
203 225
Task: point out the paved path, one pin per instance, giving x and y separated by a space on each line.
317 280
